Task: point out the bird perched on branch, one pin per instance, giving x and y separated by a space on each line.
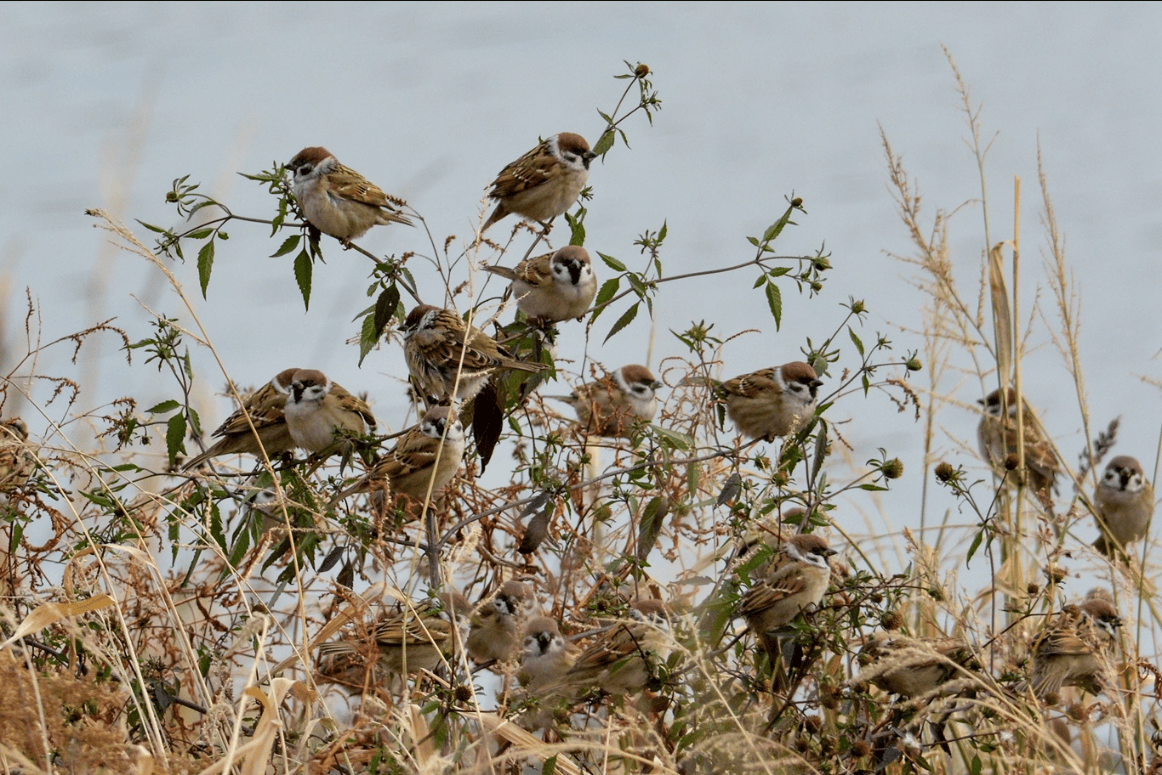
771 403
1074 650
449 359
615 404
543 183
17 459
914 667
264 410
997 434
320 413
495 631
405 642
337 200
1123 505
553 287
627 656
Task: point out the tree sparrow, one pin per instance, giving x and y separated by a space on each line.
337 200
17 460
1123 504
773 402
798 578
264 408
443 353
554 287
543 183
494 634
998 440
545 656
624 658
616 403
426 455
912 667
319 410
1074 650
405 642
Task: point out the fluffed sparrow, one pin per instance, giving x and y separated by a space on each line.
1074 649
998 440
16 458
405 642
616 403
624 658
337 200
543 183
553 287
319 412
426 456
439 347
1123 504
494 634
545 656
265 409
797 580
774 402
913 667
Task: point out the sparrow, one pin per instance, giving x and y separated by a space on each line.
264 408
337 200
17 460
426 456
405 642
623 659
496 624
545 656
450 359
1123 505
998 440
774 402
616 403
796 582
1073 650
912 667
318 410
543 183
553 287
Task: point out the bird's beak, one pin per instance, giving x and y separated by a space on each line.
816 383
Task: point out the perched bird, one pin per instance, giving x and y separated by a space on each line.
337 200
17 459
998 441
495 630
444 354
797 579
318 411
426 456
616 403
264 409
774 402
1074 650
545 656
1123 504
912 667
405 642
553 287
624 658
543 183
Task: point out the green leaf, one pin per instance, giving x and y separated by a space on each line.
288 245
604 143
367 337
153 228
164 406
662 233
762 279
775 302
608 290
976 540
385 308
623 321
753 240
576 228
205 264
200 234
777 227
612 262
855 340
175 433
303 269
673 439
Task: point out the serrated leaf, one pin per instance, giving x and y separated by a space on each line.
205 265
820 449
367 337
288 246
730 489
303 268
332 557
576 230
662 232
775 302
612 262
855 340
753 240
777 227
976 540
151 227
762 279
164 406
175 433
623 321
385 308
200 234
604 143
674 439
608 290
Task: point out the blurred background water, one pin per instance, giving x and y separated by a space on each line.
105 104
